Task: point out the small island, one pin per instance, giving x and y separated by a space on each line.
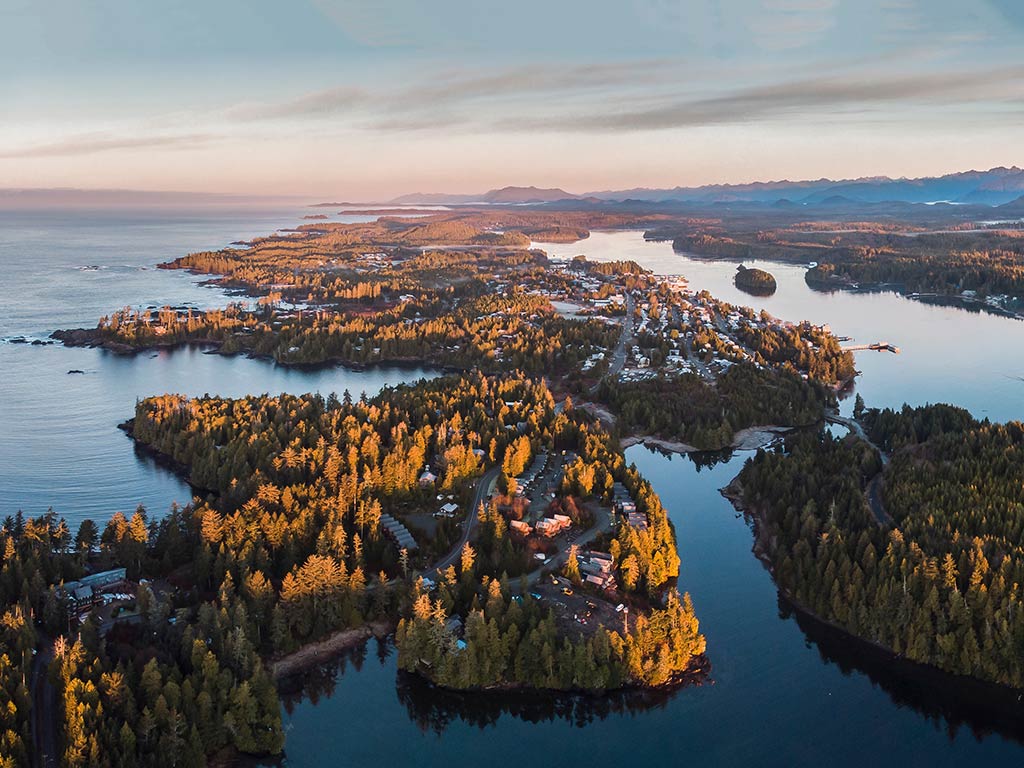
756 282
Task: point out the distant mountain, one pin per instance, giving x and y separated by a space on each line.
992 187
527 195
434 198
505 195
1012 208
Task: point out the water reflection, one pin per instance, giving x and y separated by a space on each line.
435 709
320 682
949 703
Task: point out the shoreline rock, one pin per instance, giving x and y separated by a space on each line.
320 651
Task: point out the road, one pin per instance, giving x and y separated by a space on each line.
617 360
483 487
873 492
854 426
874 496
723 329
44 708
602 523
695 361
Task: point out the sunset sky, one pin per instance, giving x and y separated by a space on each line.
367 99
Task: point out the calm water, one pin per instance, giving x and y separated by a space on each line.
777 698
950 355
61 446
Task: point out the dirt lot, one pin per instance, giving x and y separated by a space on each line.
571 611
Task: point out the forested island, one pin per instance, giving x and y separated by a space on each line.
755 281
922 557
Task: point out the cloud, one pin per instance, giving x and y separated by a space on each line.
324 103
807 96
93 143
419 103
538 79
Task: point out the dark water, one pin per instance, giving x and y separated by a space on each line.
779 695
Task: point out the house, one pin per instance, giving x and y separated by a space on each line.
447 510
601 558
427 479
552 526
454 625
637 520
521 526
603 581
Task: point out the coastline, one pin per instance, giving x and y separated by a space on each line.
996 698
697 673
747 439
320 651
88 338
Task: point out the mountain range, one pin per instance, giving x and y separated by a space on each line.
992 187
505 195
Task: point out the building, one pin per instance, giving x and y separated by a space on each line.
427 479
397 532
521 526
451 509
86 591
552 526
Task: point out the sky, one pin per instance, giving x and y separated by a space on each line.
368 99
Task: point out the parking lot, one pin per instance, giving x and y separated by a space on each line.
581 612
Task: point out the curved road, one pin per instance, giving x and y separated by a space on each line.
873 492
602 523
483 487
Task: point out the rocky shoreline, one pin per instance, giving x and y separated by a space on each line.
749 439
324 650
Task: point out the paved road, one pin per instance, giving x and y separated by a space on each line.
618 354
44 708
854 426
695 361
874 496
483 487
724 330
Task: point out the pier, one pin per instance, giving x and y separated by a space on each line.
878 346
